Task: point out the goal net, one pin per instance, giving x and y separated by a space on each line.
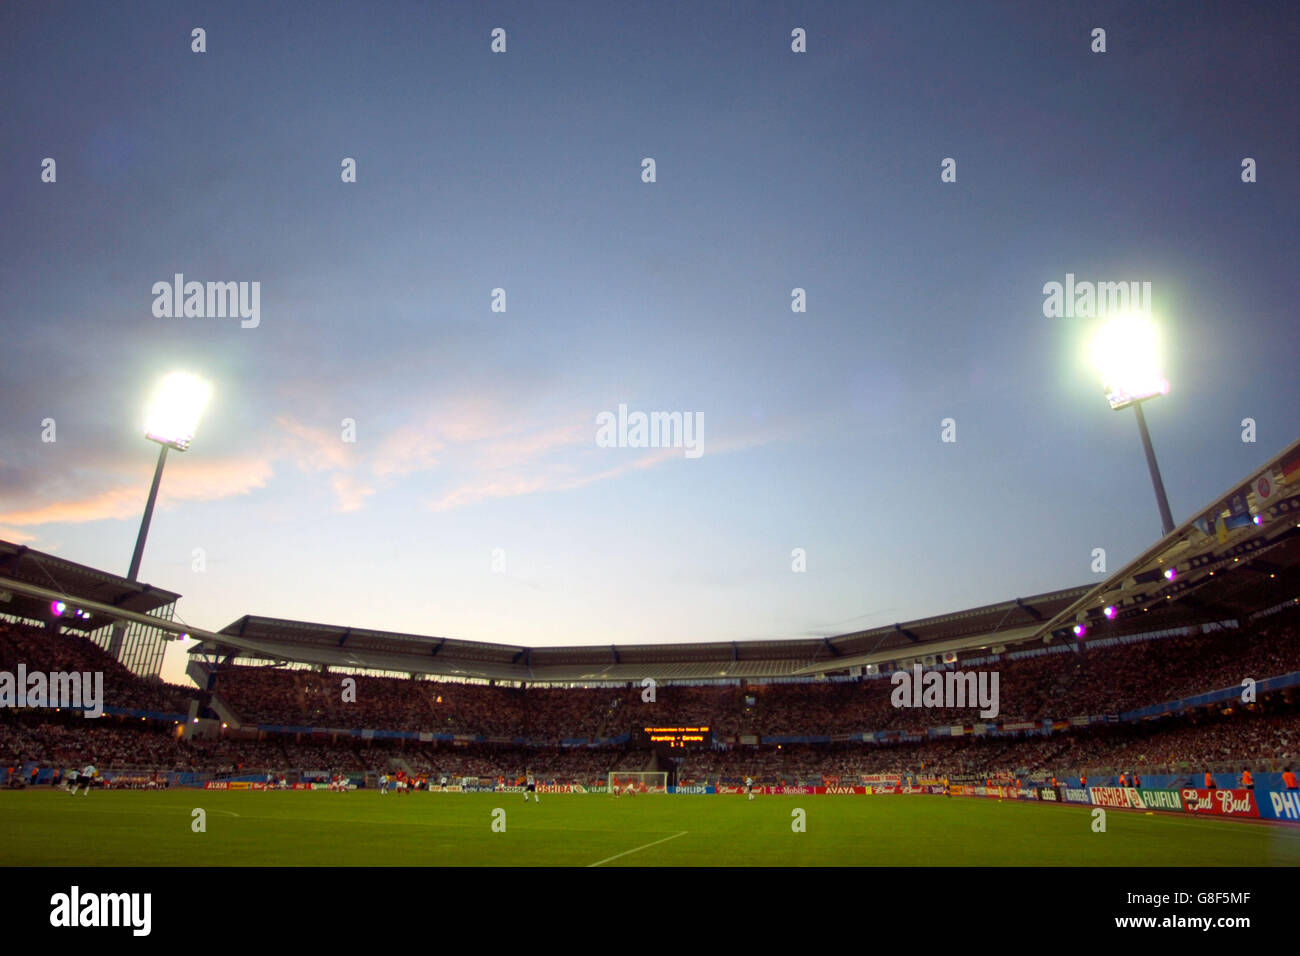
640 781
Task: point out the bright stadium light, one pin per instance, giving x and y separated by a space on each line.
172 418
1126 351
1127 354
175 411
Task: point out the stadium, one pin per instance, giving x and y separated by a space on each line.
637 437
1166 692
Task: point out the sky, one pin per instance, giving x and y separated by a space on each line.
475 500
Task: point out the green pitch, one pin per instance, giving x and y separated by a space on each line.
44 827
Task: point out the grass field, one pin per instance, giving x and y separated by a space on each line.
45 827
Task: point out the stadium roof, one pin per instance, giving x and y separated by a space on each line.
28 578
331 645
1235 557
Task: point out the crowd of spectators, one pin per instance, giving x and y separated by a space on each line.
40 650
1265 735
1081 681
1078 680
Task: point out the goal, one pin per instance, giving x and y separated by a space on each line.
641 781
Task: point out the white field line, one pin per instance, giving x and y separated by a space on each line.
637 849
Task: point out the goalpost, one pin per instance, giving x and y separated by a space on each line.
655 781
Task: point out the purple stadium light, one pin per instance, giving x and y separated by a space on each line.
58 607
1171 573
1080 630
1110 612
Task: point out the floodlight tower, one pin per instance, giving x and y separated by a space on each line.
171 423
1127 353
172 418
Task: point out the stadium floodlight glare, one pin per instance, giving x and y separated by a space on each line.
175 411
1126 351
172 418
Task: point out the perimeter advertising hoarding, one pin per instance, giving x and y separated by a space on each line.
1221 803
1279 804
1122 797
1162 800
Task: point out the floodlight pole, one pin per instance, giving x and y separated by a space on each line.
119 629
1166 517
153 496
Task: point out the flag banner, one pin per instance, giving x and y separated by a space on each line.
1237 521
1263 486
1237 502
1289 468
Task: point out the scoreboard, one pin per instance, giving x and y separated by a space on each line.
675 738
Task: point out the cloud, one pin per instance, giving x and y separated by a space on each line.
481 442
186 480
556 479
314 449
350 492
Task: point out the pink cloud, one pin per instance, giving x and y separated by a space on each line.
350 492
186 480
313 448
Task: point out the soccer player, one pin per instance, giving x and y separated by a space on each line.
383 784
73 775
749 787
87 774
530 786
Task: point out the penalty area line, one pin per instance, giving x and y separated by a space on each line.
637 849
